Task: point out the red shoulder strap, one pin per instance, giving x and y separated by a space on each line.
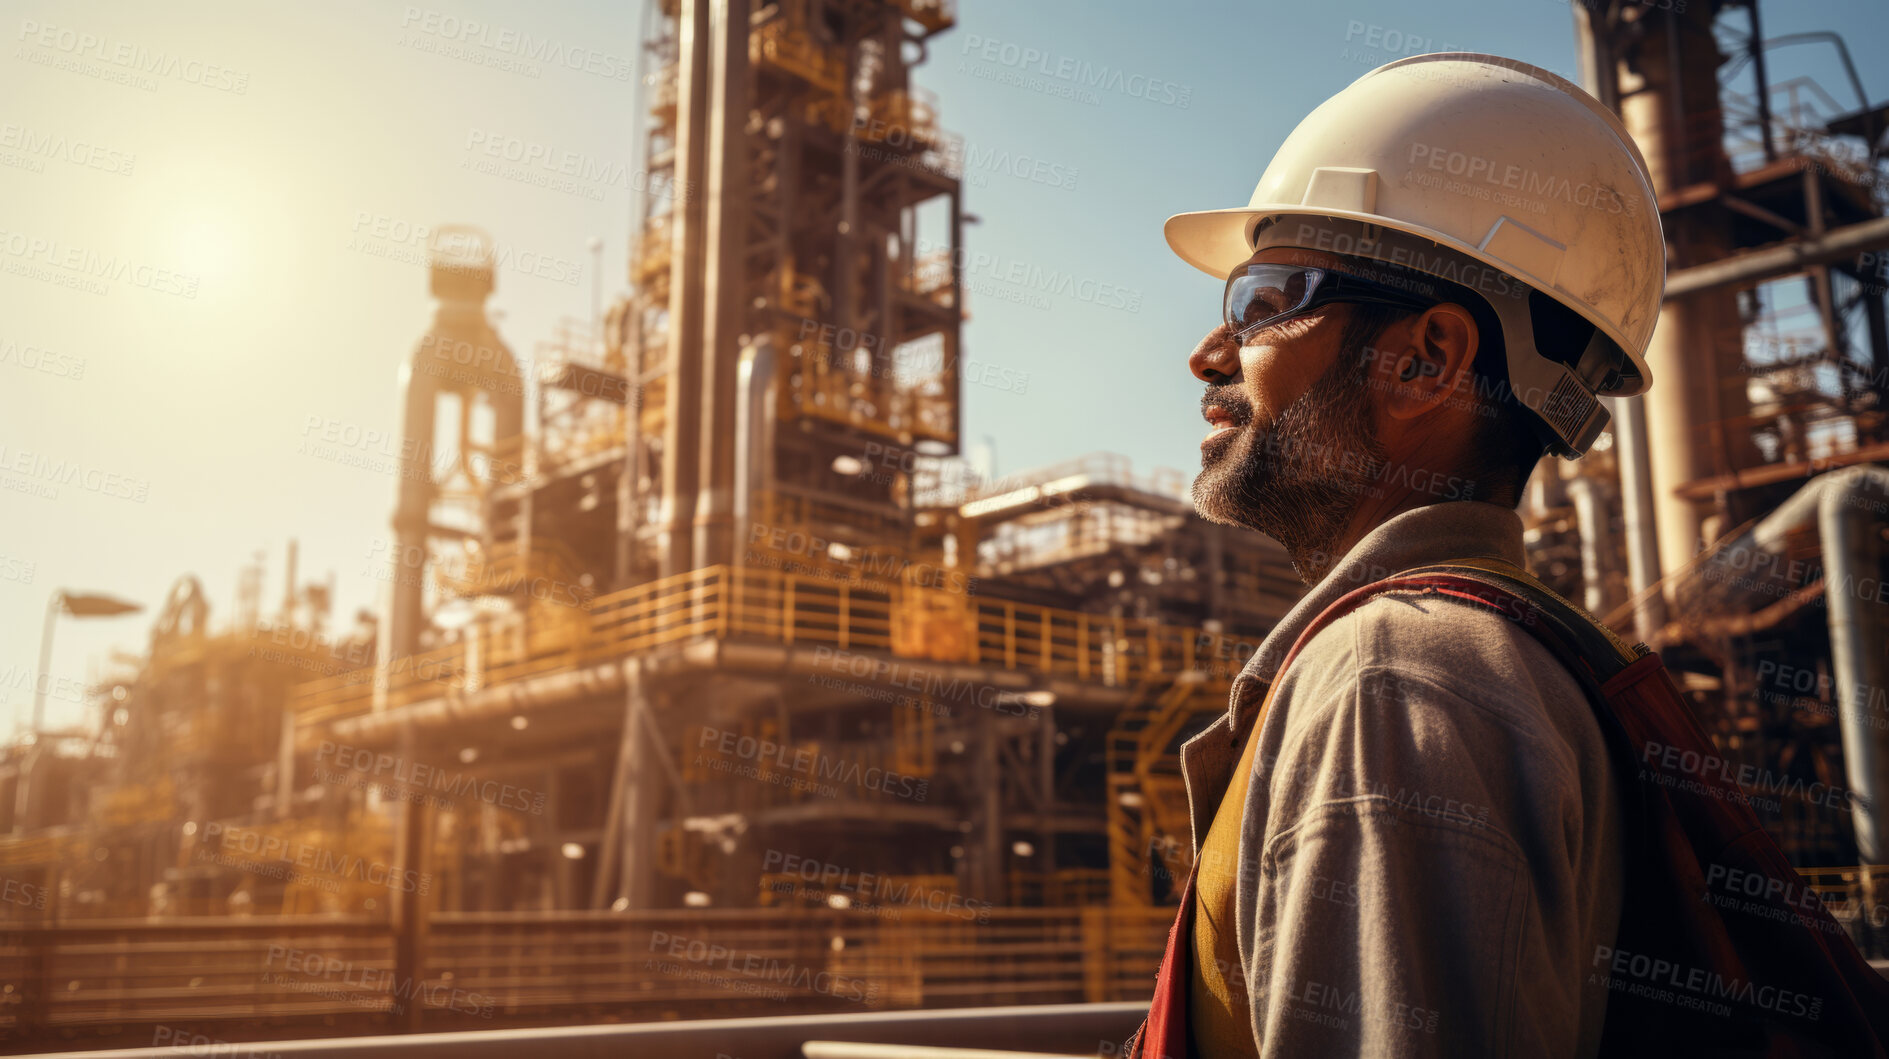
1588 649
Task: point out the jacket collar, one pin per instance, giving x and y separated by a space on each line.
1434 533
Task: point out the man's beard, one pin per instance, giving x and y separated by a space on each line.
1300 478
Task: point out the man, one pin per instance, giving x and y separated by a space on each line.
1410 841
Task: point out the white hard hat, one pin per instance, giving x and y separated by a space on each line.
1497 160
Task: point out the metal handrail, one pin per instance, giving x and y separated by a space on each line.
1087 1029
725 601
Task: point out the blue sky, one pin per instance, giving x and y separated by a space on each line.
280 205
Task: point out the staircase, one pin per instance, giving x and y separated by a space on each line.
1147 799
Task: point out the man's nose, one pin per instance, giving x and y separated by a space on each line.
1217 358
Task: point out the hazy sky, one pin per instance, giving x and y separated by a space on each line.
251 201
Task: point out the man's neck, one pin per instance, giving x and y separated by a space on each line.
1396 491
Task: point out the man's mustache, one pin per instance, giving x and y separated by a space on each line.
1228 398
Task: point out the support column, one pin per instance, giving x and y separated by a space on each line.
411 841
988 827
639 817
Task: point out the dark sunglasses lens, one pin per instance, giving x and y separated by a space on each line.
1261 292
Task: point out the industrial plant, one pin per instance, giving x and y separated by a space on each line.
714 679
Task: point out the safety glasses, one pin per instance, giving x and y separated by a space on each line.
1260 295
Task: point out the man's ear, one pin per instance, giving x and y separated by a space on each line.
1437 348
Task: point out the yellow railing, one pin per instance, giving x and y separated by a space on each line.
785 43
720 601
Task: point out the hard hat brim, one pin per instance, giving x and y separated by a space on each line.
1218 241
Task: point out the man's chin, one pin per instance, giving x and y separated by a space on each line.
1218 493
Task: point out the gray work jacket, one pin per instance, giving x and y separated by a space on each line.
1430 850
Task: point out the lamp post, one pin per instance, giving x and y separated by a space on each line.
78 605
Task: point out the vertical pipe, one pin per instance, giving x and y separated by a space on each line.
1589 496
1878 324
1600 75
682 397
953 331
1699 387
42 677
288 588
846 240
629 471
1762 78
399 633
1849 522
754 426
285 765
1637 514
726 290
